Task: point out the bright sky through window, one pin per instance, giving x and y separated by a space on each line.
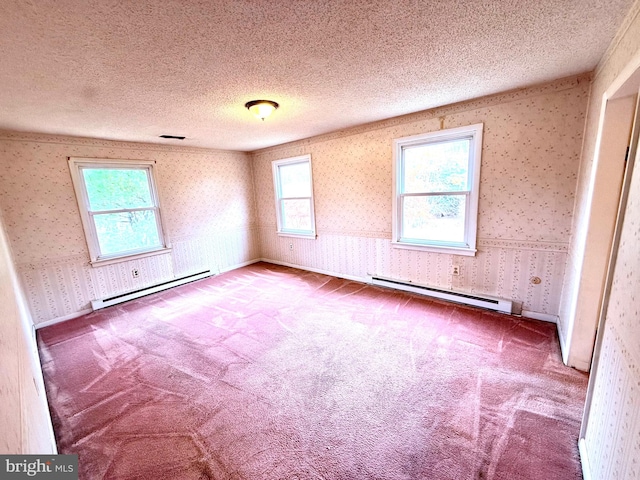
294 196
119 207
436 190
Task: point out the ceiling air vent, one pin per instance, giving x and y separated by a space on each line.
174 137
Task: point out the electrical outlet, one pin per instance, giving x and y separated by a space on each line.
455 270
135 273
291 247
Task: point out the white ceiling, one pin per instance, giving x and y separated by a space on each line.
133 70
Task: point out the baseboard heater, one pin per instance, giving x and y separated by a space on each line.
492 303
124 297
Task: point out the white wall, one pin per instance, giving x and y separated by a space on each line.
25 424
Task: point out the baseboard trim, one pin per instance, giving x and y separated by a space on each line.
80 313
525 313
545 317
464 298
584 460
582 366
64 318
238 265
317 270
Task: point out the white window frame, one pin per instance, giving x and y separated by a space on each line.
275 165
76 165
468 247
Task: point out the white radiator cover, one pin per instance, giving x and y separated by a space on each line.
492 303
124 297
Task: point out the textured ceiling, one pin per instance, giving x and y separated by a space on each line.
133 70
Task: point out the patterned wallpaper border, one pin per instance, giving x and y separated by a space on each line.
524 245
63 286
483 242
358 233
55 262
562 247
473 104
496 271
83 259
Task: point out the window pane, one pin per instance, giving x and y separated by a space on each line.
437 167
434 218
122 232
115 188
296 214
295 180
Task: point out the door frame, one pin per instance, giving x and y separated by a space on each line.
626 84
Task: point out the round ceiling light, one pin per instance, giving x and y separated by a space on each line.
261 108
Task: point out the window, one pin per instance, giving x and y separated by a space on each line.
119 208
294 196
437 176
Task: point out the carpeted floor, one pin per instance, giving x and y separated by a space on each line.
268 372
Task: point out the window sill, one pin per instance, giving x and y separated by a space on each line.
470 252
310 236
127 258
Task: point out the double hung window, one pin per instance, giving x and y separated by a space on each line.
437 177
119 207
293 187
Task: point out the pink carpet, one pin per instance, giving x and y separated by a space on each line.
268 372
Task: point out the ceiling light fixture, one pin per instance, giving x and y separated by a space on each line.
261 108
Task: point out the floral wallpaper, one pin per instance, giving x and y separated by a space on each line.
531 150
26 425
579 328
219 211
613 427
206 203
529 169
612 436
